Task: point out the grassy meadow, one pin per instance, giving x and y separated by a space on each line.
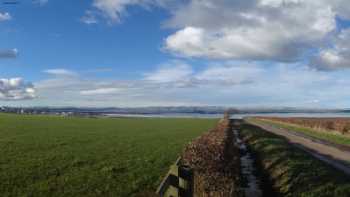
61 156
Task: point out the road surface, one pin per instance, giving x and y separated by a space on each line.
336 157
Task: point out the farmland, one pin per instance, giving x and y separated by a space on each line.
335 130
57 156
335 125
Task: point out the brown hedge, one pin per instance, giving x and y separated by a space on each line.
215 161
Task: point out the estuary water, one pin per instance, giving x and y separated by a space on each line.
234 116
310 115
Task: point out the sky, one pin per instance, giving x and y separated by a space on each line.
133 53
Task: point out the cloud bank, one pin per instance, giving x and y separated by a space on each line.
16 89
275 30
249 30
246 52
217 83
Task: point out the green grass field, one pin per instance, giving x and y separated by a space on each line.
332 137
57 156
291 171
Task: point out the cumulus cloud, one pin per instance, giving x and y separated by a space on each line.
337 56
5 16
9 53
16 89
280 30
258 30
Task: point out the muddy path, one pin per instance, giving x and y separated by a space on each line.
338 158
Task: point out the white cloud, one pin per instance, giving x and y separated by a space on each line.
114 10
242 84
342 7
75 90
9 53
180 75
173 72
273 30
16 89
100 91
217 83
337 56
89 18
5 16
250 30
60 72
228 74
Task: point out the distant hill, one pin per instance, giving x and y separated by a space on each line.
167 110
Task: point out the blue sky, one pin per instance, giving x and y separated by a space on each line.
113 53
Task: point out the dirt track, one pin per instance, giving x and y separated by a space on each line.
336 157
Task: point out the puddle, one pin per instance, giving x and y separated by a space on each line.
252 186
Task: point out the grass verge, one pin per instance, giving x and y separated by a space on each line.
331 137
57 156
291 171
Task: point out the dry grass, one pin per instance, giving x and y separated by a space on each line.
341 125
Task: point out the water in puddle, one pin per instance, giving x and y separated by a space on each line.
252 189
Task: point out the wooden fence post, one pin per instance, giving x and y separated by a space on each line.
178 182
